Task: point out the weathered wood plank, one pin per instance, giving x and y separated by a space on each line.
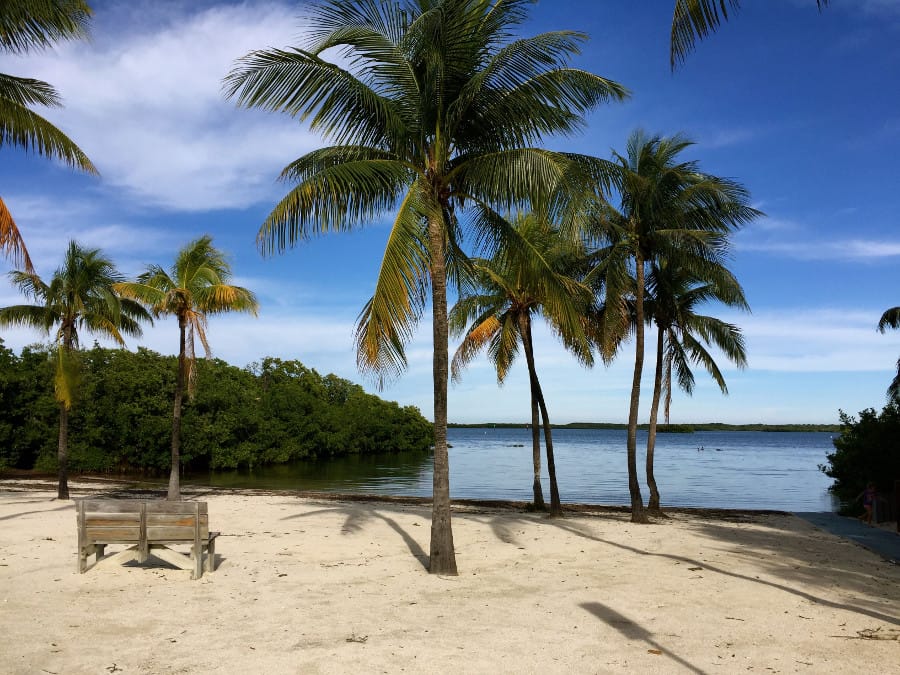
111 535
180 560
170 533
111 519
111 505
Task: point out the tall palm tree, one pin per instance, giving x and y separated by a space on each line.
693 20
667 208
195 287
26 25
891 319
80 296
508 291
673 296
433 112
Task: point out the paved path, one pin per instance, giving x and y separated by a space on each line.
883 542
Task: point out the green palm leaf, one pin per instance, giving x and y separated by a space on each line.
37 24
693 20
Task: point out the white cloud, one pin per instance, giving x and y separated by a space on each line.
146 105
48 225
816 340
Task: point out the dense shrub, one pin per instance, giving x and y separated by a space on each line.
868 449
271 412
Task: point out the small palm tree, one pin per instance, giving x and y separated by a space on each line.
667 209
693 20
26 25
673 297
80 296
891 319
195 287
433 113
509 290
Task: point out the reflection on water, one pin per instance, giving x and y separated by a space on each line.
757 470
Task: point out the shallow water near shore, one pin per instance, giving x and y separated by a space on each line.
726 469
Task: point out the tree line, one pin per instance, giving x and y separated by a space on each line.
270 412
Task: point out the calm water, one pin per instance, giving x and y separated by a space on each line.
756 470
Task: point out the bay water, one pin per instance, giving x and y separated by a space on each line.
710 469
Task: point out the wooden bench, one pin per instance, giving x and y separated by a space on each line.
148 527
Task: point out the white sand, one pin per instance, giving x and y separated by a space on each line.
305 586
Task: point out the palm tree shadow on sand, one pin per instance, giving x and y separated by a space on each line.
632 631
357 517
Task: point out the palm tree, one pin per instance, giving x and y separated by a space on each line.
891 319
668 208
195 287
433 112
509 290
26 25
673 295
693 20
80 296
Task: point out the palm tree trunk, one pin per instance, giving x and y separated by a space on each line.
442 557
555 504
536 452
535 419
63 453
175 472
634 487
653 504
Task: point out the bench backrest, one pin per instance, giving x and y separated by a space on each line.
130 520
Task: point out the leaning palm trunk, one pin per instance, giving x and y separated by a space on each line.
534 388
555 505
175 472
537 394
63 452
653 504
634 487
442 558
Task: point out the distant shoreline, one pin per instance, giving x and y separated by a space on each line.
662 428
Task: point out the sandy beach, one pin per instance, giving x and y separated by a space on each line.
317 586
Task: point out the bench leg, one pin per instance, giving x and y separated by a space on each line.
100 549
83 554
197 556
211 556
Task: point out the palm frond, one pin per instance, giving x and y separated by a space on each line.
22 127
476 339
11 243
337 198
66 377
37 24
388 319
694 20
890 319
333 100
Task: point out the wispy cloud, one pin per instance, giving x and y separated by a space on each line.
806 249
882 7
726 138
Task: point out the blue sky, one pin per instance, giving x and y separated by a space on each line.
802 107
